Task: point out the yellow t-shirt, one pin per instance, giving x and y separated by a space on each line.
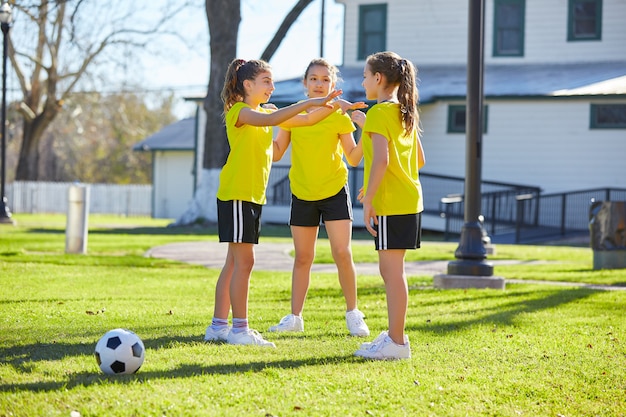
400 191
247 169
318 170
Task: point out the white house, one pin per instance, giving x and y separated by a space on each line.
554 85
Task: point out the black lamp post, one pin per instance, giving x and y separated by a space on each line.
471 252
5 24
322 29
470 270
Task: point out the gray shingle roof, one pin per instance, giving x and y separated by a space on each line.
179 136
529 80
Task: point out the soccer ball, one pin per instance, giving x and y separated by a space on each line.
120 351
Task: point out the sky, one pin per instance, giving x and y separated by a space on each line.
185 69
180 63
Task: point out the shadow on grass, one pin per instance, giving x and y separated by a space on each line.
21 358
504 315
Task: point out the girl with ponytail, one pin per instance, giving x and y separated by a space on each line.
391 194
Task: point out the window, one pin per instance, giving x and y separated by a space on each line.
584 21
372 29
608 116
508 28
456 118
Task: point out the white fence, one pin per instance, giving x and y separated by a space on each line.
52 197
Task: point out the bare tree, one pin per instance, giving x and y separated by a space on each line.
284 27
223 17
98 131
66 40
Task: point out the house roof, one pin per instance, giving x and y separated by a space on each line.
526 80
179 136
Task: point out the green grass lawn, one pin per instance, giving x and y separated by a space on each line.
530 350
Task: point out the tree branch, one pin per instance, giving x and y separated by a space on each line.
290 19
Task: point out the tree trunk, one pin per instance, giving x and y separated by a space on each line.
224 17
28 162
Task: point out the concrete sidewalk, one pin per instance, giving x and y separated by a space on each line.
275 257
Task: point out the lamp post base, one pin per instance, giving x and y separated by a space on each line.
5 213
444 281
470 270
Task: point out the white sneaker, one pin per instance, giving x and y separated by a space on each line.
289 323
355 323
383 348
380 337
249 337
213 335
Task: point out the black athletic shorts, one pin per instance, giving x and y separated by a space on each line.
309 213
238 221
399 232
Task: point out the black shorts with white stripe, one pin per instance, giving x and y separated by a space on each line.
238 221
309 213
399 232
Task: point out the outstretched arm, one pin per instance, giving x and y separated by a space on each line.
282 141
321 113
252 117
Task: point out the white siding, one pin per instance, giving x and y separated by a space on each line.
419 31
533 143
435 32
546 35
445 153
173 182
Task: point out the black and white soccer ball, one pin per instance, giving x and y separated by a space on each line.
120 351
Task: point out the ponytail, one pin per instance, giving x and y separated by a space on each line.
238 71
401 72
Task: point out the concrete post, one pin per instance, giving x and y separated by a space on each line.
77 214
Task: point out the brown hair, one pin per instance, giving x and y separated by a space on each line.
334 71
238 71
401 72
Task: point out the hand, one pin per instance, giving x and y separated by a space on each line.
369 217
360 195
345 105
325 101
358 117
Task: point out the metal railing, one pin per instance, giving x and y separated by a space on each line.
559 214
499 209
520 211
531 216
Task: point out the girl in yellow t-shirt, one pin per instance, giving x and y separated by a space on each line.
392 194
243 181
318 178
